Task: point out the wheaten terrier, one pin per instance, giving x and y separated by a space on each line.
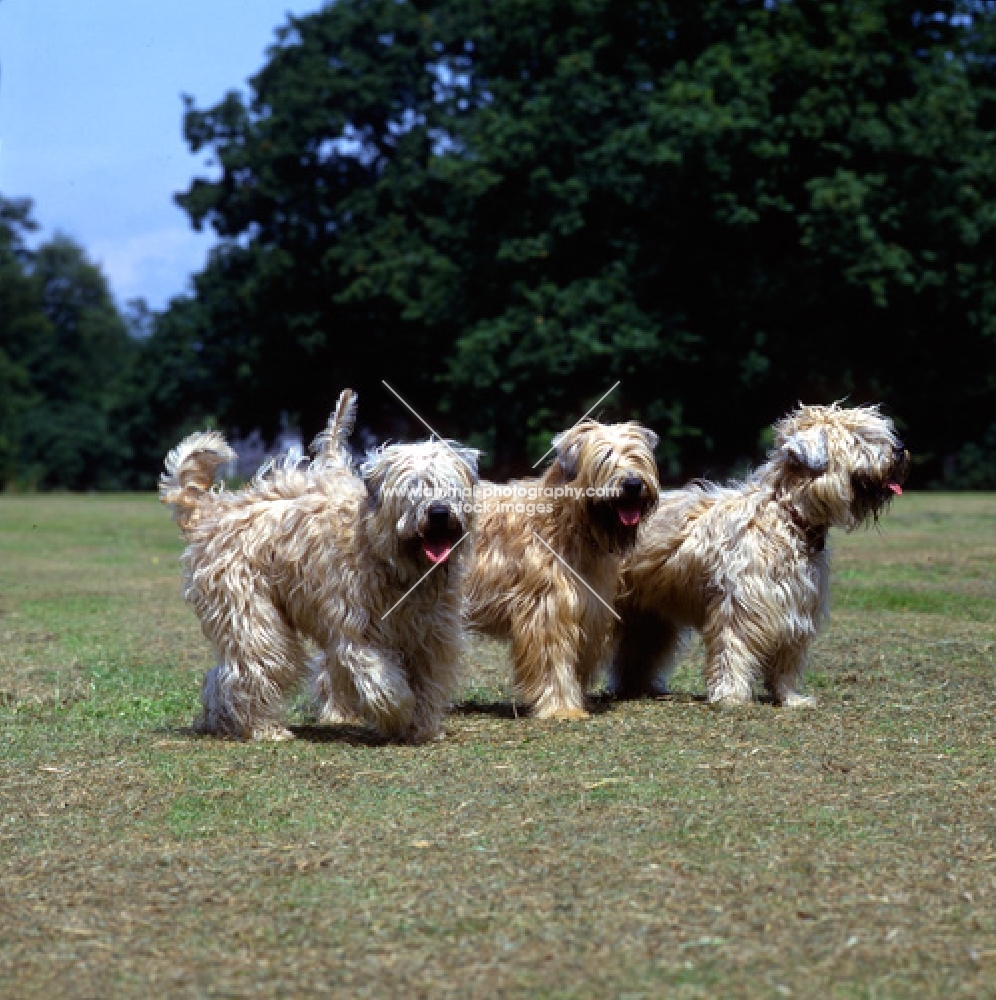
320 552
546 560
747 565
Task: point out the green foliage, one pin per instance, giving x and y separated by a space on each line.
974 467
506 206
66 367
501 208
21 319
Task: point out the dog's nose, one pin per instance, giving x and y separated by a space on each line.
439 516
632 486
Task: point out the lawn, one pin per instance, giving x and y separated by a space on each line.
659 848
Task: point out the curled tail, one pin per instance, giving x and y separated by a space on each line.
330 448
190 470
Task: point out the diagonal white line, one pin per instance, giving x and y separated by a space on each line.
431 430
432 569
576 422
578 575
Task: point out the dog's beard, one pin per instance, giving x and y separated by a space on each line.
437 544
872 494
618 520
630 512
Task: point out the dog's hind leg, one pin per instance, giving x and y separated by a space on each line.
783 677
646 649
732 665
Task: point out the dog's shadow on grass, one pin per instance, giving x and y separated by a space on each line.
353 735
601 703
358 736
509 710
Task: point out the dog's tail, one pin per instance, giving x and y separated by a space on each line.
330 448
190 470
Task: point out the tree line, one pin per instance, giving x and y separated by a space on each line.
502 207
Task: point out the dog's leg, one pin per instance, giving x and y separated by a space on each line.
432 676
261 658
594 652
784 678
732 665
334 694
646 649
545 660
382 689
431 695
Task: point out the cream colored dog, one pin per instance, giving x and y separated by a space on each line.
546 560
747 566
317 551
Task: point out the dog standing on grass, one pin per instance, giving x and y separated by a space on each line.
747 566
546 560
317 551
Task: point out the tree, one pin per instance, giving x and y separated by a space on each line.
67 366
21 322
506 206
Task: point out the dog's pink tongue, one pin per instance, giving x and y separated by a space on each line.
629 516
895 487
437 552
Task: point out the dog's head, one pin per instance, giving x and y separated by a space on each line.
613 466
840 465
421 498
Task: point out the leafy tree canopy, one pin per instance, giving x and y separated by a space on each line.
501 207
66 366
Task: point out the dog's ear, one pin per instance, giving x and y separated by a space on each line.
568 448
373 472
649 436
808 449
469 456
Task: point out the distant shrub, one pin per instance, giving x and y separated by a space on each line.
974 466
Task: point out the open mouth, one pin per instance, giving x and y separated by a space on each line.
871 495
437 550
629 512
438 538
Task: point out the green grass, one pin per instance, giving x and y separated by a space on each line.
659 849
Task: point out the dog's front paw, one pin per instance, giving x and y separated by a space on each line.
272 732
338 715
729 701
795 700
419 737
563 714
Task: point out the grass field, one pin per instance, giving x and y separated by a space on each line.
661 848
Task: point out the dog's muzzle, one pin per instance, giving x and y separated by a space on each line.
631 502
439 536
900 470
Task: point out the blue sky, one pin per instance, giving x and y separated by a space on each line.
90 120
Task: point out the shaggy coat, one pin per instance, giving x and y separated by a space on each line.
546 561
747 565
318 552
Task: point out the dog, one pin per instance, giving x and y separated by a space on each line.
546 560
365 563
747 565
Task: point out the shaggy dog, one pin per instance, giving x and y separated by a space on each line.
747 565
318 552
546 560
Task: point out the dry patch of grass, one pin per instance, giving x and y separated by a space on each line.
659 848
